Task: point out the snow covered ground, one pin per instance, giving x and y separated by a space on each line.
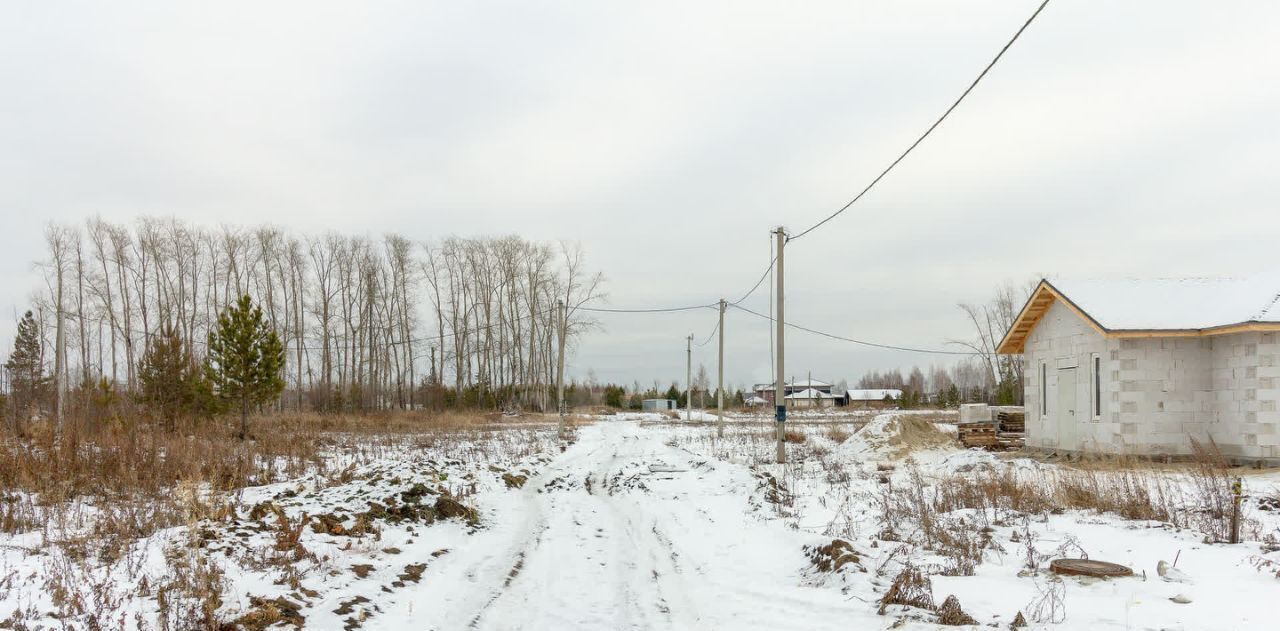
643 522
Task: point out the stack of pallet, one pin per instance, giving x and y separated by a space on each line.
1011 427
1004 432
1011 421
978 434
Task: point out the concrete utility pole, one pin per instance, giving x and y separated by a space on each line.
720 379
688 378
780 389
564 317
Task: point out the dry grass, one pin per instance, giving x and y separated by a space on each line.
93 494
838 434
911 588
132 468
1203 503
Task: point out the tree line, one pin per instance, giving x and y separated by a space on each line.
986 377
364 323
941 386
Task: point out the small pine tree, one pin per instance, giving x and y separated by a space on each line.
167 377
673 393
246 359
952 396
614 396
27 381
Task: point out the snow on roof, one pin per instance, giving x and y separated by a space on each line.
872 395
803 383
1175 303
754 399
810 393
809 383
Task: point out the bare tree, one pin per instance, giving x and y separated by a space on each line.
990 322
349 311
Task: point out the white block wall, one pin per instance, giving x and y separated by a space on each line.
1060 340
1157 392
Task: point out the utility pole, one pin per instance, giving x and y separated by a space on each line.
688 378
560 364
720 379
780 388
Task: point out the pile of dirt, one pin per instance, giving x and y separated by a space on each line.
894 436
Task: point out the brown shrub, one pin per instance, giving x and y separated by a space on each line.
837 434
950 613
910 587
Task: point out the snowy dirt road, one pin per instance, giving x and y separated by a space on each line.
623 531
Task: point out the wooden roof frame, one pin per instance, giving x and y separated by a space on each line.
1045 294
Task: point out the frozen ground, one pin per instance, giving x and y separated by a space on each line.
648 523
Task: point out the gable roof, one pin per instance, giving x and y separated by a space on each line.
809 383
872 395
1159 307
802 384
810 393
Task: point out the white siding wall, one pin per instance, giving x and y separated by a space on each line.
1158 392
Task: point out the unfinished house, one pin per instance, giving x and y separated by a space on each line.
1143 366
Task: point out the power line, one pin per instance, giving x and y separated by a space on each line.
767 270
710 335
862 342
931 127
653 310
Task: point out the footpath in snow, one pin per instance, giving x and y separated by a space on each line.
623 531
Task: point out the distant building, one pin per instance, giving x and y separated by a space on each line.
871 399
654 405
1143 367
767 391
812 398
812 393
753 401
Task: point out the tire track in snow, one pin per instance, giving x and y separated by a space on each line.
612 542
493 573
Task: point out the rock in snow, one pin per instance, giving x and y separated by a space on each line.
1172 574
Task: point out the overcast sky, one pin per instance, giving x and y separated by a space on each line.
1114 139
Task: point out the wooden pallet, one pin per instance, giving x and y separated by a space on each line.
988 436
1011 421
977 434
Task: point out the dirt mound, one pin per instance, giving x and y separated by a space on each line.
895 436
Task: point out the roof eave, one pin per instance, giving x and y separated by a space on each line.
1045 294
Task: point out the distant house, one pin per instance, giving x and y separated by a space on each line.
1143 367
653 405
869 399
767 391
811 398
754 401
